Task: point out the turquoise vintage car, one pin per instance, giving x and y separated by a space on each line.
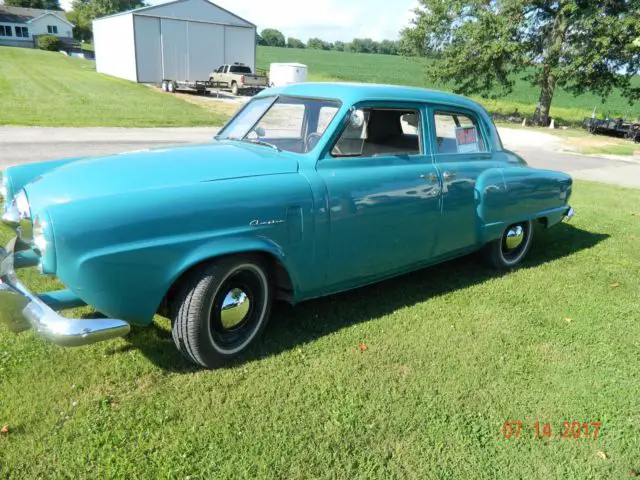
309 189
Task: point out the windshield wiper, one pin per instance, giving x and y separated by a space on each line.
261 142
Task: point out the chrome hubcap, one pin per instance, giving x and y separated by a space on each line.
514 238
234 309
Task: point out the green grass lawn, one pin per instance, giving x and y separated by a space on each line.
325 65
452 352
49 89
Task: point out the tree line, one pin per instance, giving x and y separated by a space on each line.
275 38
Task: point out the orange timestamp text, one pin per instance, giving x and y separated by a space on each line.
514 429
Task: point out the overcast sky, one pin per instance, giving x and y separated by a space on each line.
330 20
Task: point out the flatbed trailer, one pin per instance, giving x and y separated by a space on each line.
617 127
200 86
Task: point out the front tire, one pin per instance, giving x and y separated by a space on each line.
221 309
511 248
234 88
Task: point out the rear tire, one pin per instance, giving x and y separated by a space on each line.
511 248
221 309
164 86
171 86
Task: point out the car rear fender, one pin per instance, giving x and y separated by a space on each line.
528 194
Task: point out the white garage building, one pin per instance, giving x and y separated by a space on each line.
178 40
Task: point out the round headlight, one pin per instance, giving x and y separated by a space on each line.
4 186
22 204
39 240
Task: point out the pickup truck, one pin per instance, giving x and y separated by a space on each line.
237 77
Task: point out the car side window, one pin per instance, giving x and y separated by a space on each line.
385 131
457 133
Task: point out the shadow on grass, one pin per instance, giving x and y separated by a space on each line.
290 326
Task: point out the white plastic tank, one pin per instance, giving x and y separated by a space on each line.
286 73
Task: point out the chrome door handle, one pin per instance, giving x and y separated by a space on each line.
431 177
448 175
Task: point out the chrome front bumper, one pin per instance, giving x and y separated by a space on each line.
20 309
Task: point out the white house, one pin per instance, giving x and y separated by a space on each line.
177 40
20 27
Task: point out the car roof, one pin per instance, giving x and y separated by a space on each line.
351 93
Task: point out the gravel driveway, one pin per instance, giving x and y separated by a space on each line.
32 144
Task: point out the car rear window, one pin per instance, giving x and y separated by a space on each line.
237 69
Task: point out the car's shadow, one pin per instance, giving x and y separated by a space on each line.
290 327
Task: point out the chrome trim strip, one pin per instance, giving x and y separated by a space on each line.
21 309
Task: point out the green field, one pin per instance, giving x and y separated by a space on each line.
49 89
327 65
410 378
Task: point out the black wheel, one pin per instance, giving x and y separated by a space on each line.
221 309
234 88
511 248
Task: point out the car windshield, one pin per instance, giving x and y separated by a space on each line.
293 124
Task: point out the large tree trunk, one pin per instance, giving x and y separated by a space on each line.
547 89
548 78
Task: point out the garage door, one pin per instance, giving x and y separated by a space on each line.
239 45
148 49
206 49
175 48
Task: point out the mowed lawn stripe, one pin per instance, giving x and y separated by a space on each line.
49 89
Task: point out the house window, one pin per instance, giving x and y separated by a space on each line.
22 32
52 29
5 31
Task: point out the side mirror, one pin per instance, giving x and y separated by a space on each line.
356 119
259 131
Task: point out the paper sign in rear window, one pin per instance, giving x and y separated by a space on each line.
467 139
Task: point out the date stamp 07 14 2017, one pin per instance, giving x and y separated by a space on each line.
513 429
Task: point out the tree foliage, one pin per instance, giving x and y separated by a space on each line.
579 45
50 43
272 37
318 44
42 4
295 43
83 12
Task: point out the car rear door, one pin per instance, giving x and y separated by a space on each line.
459 146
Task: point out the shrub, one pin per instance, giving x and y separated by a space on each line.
49 42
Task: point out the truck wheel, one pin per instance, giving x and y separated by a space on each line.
171 87
234 88
221 308
164 86
511 248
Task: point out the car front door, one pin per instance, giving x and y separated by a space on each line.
460 149
383 195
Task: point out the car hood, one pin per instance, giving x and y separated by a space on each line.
156 168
